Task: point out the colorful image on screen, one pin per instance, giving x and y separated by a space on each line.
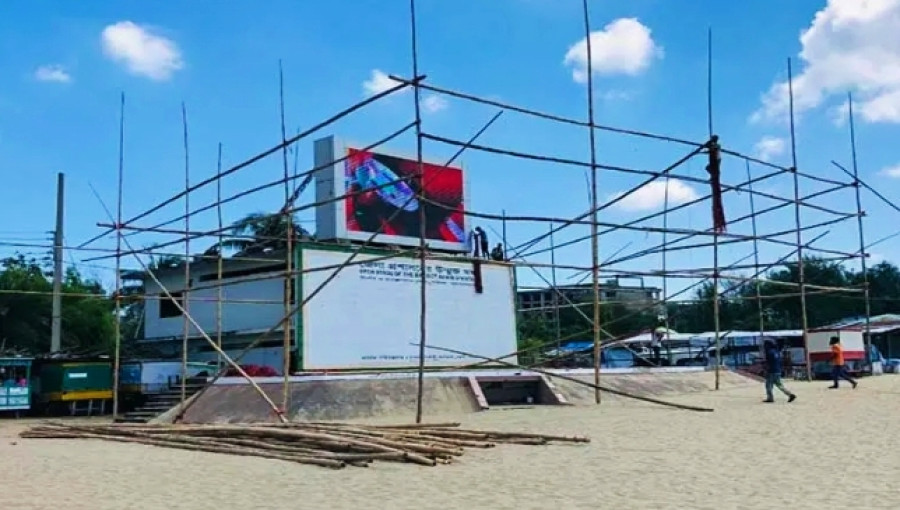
384 185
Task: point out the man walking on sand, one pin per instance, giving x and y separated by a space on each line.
773 372
838 369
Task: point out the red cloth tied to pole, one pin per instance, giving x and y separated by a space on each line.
715 182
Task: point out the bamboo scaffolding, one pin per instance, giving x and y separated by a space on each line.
656 303
704 198
194 323
347 262
250 191
521 259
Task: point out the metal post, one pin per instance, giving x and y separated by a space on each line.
800 261
56 317
867 337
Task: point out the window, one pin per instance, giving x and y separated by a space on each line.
167 307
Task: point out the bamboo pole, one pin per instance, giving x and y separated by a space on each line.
713 140
800 261
757 284
118 293
665 279
867 337
187 260
289 257
556 320
595 244
220 259
420 173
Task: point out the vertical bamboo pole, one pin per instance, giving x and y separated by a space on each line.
867 338
595 243
665 274
118 323
716 304
288 257
505 242
759 303
556 322
220 260
186 329
716 322
423 282
800 261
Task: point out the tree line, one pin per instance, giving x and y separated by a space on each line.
738 305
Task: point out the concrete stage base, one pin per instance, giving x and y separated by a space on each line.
388 395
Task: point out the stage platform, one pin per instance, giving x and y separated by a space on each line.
392 395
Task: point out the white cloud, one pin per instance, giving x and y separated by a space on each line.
53 73
851 45
378 82
142 51
433 103
624 46
769 147
891 171
652 196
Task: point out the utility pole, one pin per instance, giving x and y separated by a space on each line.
56 323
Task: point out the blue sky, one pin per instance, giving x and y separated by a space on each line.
66 63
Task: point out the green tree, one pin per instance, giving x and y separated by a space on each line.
26 309
260 232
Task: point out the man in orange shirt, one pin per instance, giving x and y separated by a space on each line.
838 369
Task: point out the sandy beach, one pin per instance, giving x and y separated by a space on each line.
826 450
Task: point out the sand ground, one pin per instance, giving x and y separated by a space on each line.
827 450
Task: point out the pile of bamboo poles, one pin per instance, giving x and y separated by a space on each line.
329 445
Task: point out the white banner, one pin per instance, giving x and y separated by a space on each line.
368 315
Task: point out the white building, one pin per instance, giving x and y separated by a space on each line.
252 304
363 315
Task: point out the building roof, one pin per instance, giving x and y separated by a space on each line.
878 324
588 286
